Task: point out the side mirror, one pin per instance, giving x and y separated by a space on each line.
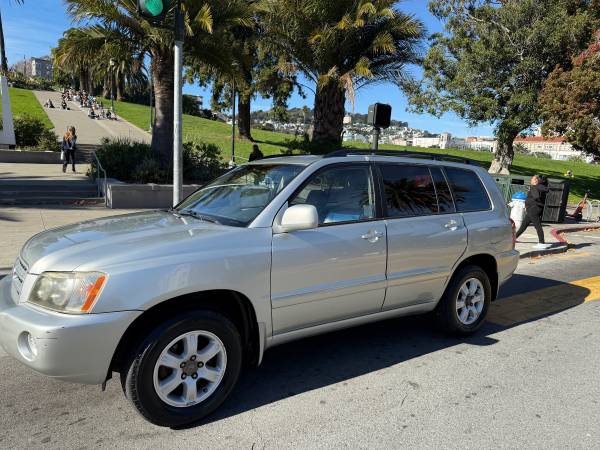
299 217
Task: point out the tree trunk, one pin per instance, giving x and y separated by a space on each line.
82 79
120 88
329 116
106 87
505 152
244 122
163 66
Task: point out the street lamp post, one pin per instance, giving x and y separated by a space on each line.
178 110
112 85
233 95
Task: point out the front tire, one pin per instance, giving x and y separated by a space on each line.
184 370
466 301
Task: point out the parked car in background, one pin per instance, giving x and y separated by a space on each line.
178 301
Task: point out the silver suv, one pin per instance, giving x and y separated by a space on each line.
178 301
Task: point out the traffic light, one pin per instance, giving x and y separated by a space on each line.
154 11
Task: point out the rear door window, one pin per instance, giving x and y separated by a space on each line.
409 190
468 190
445 202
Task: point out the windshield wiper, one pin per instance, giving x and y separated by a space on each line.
195 215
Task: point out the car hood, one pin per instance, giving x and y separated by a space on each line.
110 240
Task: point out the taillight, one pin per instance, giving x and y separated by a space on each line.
514 233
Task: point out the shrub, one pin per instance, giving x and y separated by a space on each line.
121 157
134 161
201 162
28 130
542 155
49 142
149 171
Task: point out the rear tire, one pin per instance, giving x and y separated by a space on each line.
184 370
465 303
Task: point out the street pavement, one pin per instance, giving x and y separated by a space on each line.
529 379
89 131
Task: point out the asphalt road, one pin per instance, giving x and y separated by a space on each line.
529 379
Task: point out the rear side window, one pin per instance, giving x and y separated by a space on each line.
469 193
409 191
445 201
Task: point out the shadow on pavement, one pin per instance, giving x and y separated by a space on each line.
8 217
321 361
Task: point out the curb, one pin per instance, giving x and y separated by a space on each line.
557 232
563 246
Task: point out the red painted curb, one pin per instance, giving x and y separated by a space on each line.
556 232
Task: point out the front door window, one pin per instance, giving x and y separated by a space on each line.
340 194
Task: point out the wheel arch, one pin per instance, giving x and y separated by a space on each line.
232 304
489 265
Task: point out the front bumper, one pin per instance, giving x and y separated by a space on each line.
77 348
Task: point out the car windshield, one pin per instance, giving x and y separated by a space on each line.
239 196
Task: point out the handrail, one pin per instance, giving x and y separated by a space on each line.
100 168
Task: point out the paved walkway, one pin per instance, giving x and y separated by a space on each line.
89 131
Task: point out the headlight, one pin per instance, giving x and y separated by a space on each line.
68 292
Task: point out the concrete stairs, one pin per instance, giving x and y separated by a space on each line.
44 192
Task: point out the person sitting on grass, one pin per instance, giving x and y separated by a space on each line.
256 153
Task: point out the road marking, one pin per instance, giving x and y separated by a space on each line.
534 305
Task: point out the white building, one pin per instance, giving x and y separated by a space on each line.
443 141
481 144
558 147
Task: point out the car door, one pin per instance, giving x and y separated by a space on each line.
336 271
426 236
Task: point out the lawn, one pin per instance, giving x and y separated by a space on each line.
587 176
23 101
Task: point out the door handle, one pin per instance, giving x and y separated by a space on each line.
452 225
372 236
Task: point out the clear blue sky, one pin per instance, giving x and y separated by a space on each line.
33 28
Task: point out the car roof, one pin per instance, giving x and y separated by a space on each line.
307 160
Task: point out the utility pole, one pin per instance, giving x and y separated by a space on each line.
375 144
177 104
233 122
150 87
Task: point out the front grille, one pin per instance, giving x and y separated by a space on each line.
19 273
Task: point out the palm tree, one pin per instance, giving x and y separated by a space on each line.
341 46
76 54
3 62
228 53
121 15
201 19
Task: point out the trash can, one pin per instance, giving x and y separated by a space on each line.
517 208
555 208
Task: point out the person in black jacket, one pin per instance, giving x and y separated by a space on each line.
534 207
256 154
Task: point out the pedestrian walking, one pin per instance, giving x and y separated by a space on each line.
69 146
256 153
534 208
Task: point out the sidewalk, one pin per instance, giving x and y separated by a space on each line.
89 131
528 240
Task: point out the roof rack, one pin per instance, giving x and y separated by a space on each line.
401 154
